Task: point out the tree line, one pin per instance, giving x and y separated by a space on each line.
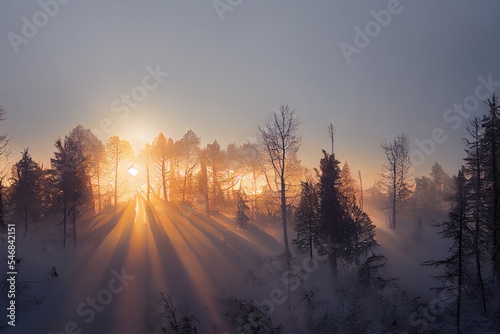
266 179
258 180
471 271
87 175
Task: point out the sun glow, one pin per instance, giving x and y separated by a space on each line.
133 171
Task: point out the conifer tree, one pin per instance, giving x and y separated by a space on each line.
306 219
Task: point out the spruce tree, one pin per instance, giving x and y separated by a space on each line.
306 219
456 265
26 189
243 209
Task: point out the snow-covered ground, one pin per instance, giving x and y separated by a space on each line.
125 259
112 284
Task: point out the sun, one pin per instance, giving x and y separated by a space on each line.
133 171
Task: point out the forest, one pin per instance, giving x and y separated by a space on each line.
326 272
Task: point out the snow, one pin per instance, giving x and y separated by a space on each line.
209 267
196 260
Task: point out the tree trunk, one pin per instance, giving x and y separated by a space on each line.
204 180
496 198
99 208
2 221
477 219
361 197
65 215
283 213
184 185
116 182
25 223
460 238
334 265
215 186
254 209
164 179
91 194
148 184
310 239
74 226
394 189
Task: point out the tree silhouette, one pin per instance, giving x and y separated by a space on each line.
215 159
26 188
242 212
281 141
456 229
162 151
71 181
396 179
120 154
4 152
307 220
187 153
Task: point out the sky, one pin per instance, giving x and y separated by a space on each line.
230 63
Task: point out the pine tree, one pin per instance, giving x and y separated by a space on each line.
475 187
345 232
457 229
243 210
491 144
331 215
71 181
306 219
26 189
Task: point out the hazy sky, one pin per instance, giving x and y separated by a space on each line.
226 75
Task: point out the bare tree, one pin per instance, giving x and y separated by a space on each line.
251 160
396 176
120 154
203 179
361 196
282 141
187 152
146 157
331 133
162 150
215 159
